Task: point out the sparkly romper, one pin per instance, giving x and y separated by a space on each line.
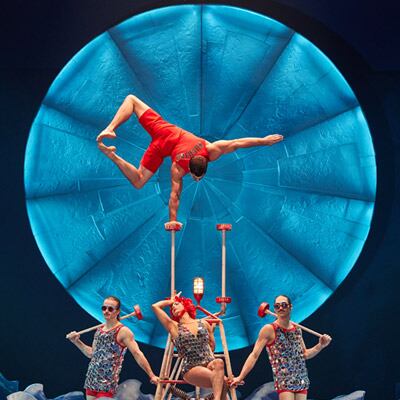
106 362
287 360
194 349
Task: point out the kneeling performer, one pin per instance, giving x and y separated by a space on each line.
194 341
107 352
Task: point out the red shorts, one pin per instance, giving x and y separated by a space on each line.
164 137
305 391
90 392
168 140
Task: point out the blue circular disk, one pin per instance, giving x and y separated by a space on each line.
301 209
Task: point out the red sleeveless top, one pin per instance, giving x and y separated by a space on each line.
169 140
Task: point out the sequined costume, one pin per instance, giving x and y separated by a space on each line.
194 349
287 360
106 362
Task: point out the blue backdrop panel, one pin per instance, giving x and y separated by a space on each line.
301 210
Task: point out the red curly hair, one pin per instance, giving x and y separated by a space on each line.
188 306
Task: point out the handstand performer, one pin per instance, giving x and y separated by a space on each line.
194 341
189 153
287 353
107 353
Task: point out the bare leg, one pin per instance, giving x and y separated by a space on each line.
90 397
139 107
217 366
131 105
292 396
137 176
287 396
212 376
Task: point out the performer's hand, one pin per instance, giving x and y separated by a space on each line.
272 139
236 382
73 336
171 224
170 301
324 341
212 325
154 380
109 151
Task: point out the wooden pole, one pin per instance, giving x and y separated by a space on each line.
227 359
172 263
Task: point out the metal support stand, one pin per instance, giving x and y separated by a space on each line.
169 375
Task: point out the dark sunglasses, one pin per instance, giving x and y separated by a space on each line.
108 308
282 305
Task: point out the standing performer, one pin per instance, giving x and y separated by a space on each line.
287 353
107 353
188 152
194 341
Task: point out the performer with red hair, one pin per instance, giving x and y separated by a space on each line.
195 343
188 307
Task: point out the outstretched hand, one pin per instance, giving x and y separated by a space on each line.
272 139
109 151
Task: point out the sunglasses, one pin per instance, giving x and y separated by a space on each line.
282 305
108 308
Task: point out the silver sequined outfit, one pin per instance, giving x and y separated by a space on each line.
194 349
106 362
287 360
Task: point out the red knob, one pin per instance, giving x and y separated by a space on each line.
139 314
264 307
224 227
226 300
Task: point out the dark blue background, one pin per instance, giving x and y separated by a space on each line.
361 37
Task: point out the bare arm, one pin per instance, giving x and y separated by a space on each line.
125 336
211 337
176 190
265 336
220 147
313 351
163 317
74 337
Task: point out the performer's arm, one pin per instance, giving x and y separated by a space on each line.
162 316
324 341
265 336
176 190
74 337
211 337
125 336
220 147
